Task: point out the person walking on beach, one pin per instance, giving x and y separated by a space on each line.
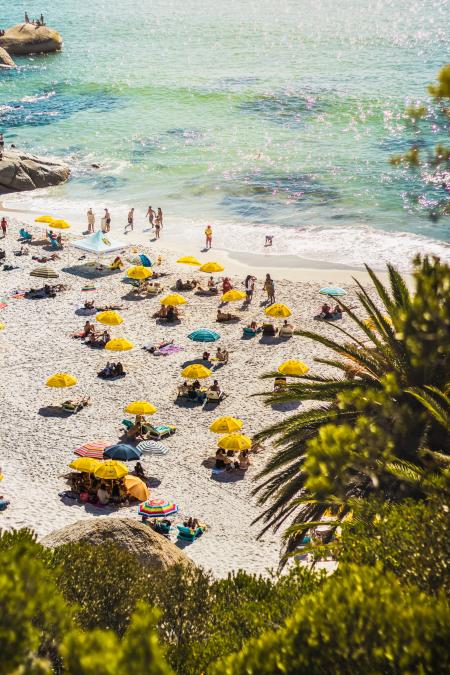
157 227
269 287
4 225
150 215
130 220
159 216
208 235
91 220
107 221
249 284
27 18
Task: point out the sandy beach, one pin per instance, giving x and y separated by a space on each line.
37 342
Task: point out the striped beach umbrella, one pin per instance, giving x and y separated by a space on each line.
153 447
92 449
158 508
44 273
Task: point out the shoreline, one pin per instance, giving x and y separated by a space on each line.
281 266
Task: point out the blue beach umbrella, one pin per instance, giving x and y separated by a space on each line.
122 451
334 291
204 335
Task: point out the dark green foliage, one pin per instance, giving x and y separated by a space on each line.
412 540
365 621
105 582
369 418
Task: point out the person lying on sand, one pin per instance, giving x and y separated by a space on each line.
156 348
226 316
188 285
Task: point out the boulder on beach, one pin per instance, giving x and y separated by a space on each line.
19 172
5 59
150 548
25 38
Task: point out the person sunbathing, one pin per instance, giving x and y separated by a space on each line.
88 328
222 355
325 312
212 284
138 429
206 356
244 460
215 387
75 406
161 313
172 314
103 494
287 329
226 285
139 471
226 316
117 263
89 304
105 337
220 458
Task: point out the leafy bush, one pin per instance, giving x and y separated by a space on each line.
412 540
362 621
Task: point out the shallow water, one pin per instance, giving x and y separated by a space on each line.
258 116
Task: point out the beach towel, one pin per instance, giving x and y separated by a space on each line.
89 287
168 350
3 305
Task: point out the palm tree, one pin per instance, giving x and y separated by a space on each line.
383 344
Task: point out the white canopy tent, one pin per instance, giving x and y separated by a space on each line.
100 244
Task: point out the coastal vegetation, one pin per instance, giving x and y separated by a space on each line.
85 609
381 423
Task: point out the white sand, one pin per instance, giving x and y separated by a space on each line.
36 450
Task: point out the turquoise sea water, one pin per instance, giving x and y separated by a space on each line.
257 116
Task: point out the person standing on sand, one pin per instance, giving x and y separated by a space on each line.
150 214
269 287
249 284
107 221
130 220
159 216
91 220
4 225
157 227
208 235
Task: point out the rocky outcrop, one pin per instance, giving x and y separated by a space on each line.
5 59
19 172
25 38
150 548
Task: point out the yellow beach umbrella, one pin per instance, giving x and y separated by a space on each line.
44 219
109 318
211 267
370 323
1 476
136 488
189 260
119 345
60 224
226 425
2 326
139 272
140 408
173 300
111 470
235 442
85 464
196 371
61 380
233 296
278 311
293 368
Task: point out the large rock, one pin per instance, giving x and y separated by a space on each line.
5 59
19 172
150 548
28 39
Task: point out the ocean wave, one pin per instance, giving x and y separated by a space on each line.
37 97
